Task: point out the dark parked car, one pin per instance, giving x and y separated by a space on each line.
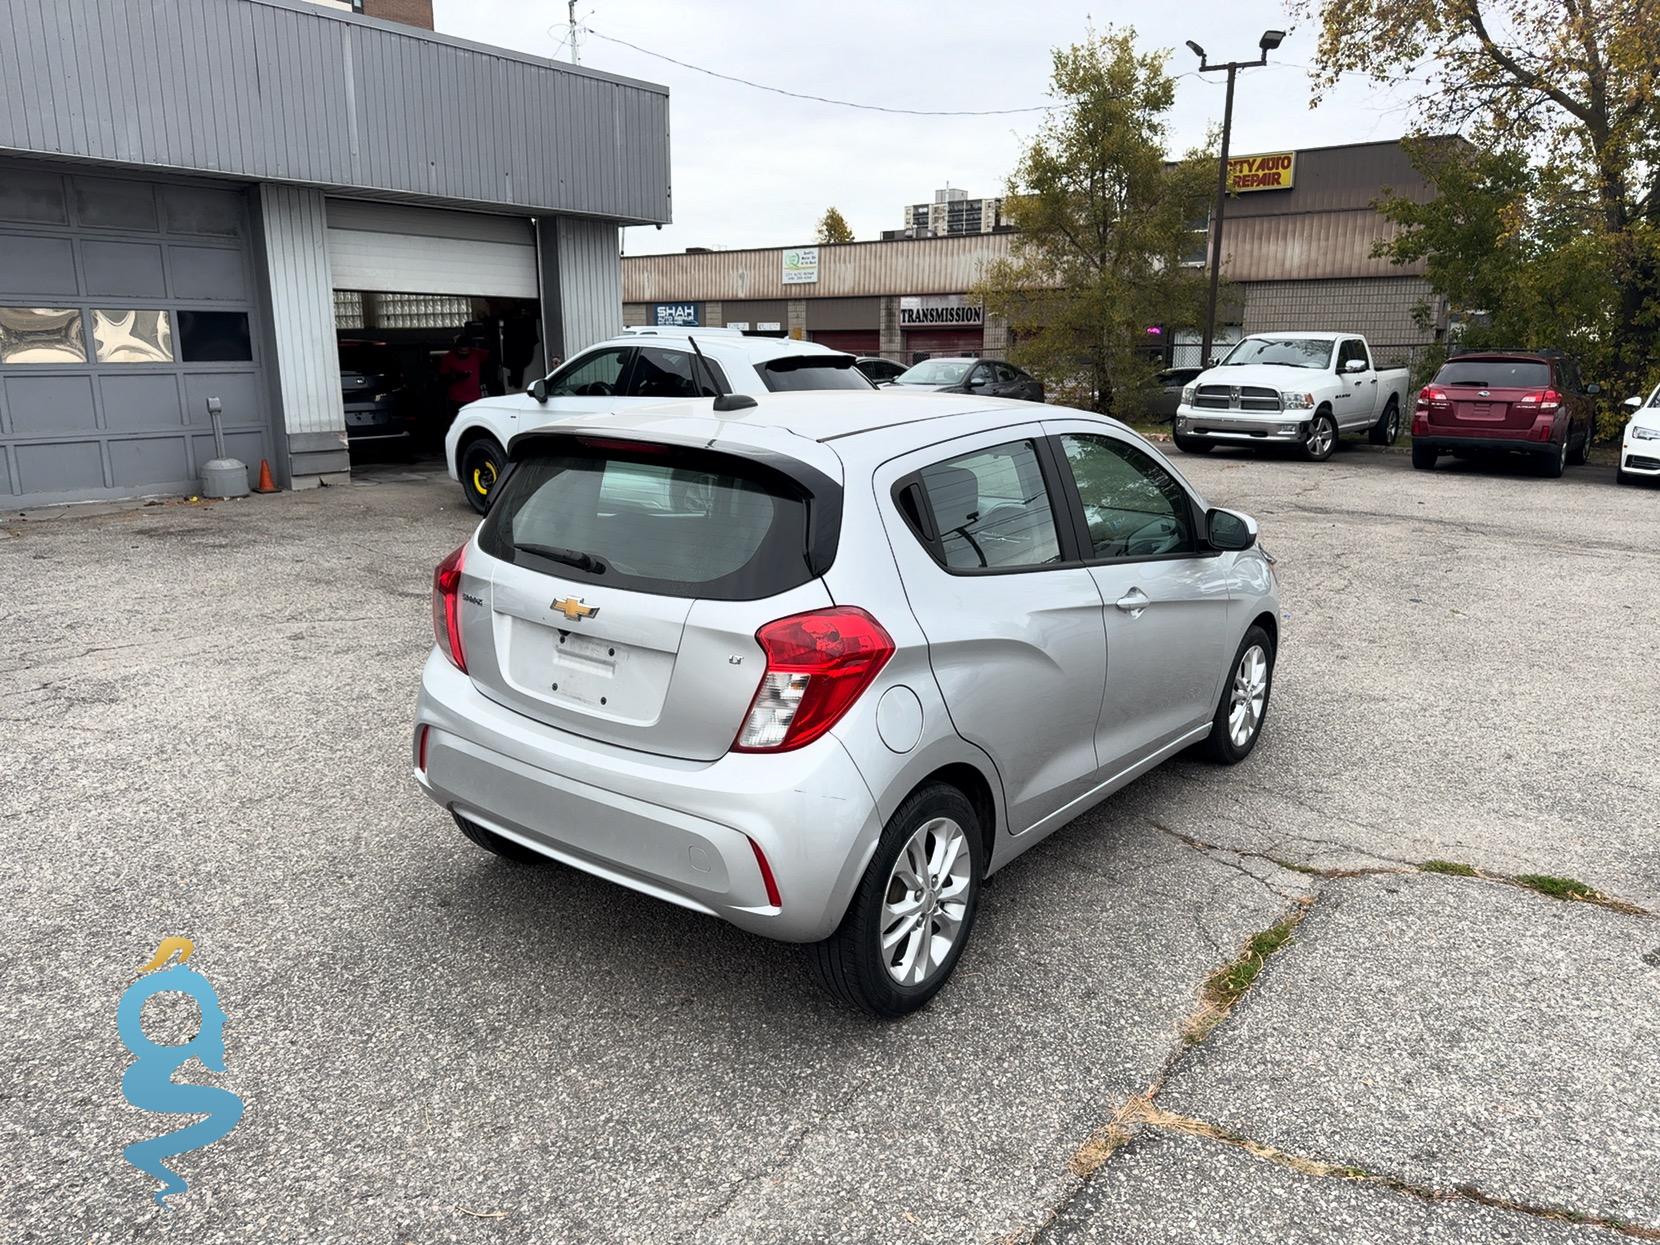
880 371
1164 395
378 405
1506 401
990 378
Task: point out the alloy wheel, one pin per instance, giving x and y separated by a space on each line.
1392 431
1249 696
925 901
1321 435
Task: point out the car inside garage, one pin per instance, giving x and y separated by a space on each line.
433 309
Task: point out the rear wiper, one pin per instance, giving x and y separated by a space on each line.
590 562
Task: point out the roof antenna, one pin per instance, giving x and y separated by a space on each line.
724 400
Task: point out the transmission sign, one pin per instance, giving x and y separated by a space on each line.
1276 171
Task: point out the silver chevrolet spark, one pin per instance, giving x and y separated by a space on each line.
820 666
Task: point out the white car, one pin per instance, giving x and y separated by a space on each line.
1640 447
639 367
1303 389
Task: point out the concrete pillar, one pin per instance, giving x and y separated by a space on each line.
714 315
798 319
891 343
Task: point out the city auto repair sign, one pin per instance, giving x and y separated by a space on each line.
1276 171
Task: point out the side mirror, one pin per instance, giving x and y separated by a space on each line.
1214 361
1593 389
1229 531
977 382
539 390
1355 365
1633 405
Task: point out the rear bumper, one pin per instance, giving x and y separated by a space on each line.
1203 425
674 829
1514 445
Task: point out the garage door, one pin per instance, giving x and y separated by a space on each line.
943 342
854 341
124 306
393 249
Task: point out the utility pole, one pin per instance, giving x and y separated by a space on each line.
570 11
1270 40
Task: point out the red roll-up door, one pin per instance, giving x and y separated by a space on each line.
943 342
854 341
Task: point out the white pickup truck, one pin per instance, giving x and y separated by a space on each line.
1303 389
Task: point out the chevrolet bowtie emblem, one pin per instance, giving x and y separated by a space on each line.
574 609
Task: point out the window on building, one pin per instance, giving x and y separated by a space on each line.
41 335
128 336
215 337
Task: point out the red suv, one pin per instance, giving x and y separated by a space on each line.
1516 401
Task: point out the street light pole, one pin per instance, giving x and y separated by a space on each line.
1271 39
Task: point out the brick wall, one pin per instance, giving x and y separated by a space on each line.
1379 307
409 12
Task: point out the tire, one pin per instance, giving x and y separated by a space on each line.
481 465
1248 685
1423 457
1551 465
851 963
1189 445
1321 440
1582 455
1387 430
506 848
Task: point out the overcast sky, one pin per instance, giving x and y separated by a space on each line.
751 168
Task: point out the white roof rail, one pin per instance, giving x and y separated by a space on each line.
677 330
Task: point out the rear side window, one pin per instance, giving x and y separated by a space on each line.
1495 374
990 510
670 374
676 523
812 372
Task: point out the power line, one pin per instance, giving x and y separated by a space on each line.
820 99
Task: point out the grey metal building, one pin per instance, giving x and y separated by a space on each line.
186 184
1297 254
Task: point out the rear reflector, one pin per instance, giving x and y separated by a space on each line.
817 666
421 749
766 874
446 609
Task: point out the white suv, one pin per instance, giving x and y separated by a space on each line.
638 367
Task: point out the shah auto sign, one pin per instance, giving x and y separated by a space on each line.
1276 171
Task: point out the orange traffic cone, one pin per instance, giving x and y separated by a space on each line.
266 483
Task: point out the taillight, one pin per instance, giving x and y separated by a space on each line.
1549 400
1428 397
446 609
817 665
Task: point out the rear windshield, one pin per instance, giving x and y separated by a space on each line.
679 523
1495 373
813 372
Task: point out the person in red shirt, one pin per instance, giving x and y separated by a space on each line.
462 373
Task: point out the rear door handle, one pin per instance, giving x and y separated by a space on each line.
1133 602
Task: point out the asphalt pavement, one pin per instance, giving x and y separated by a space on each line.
205 732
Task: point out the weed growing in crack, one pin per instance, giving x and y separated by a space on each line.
1556 888
1453 867
1228 984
